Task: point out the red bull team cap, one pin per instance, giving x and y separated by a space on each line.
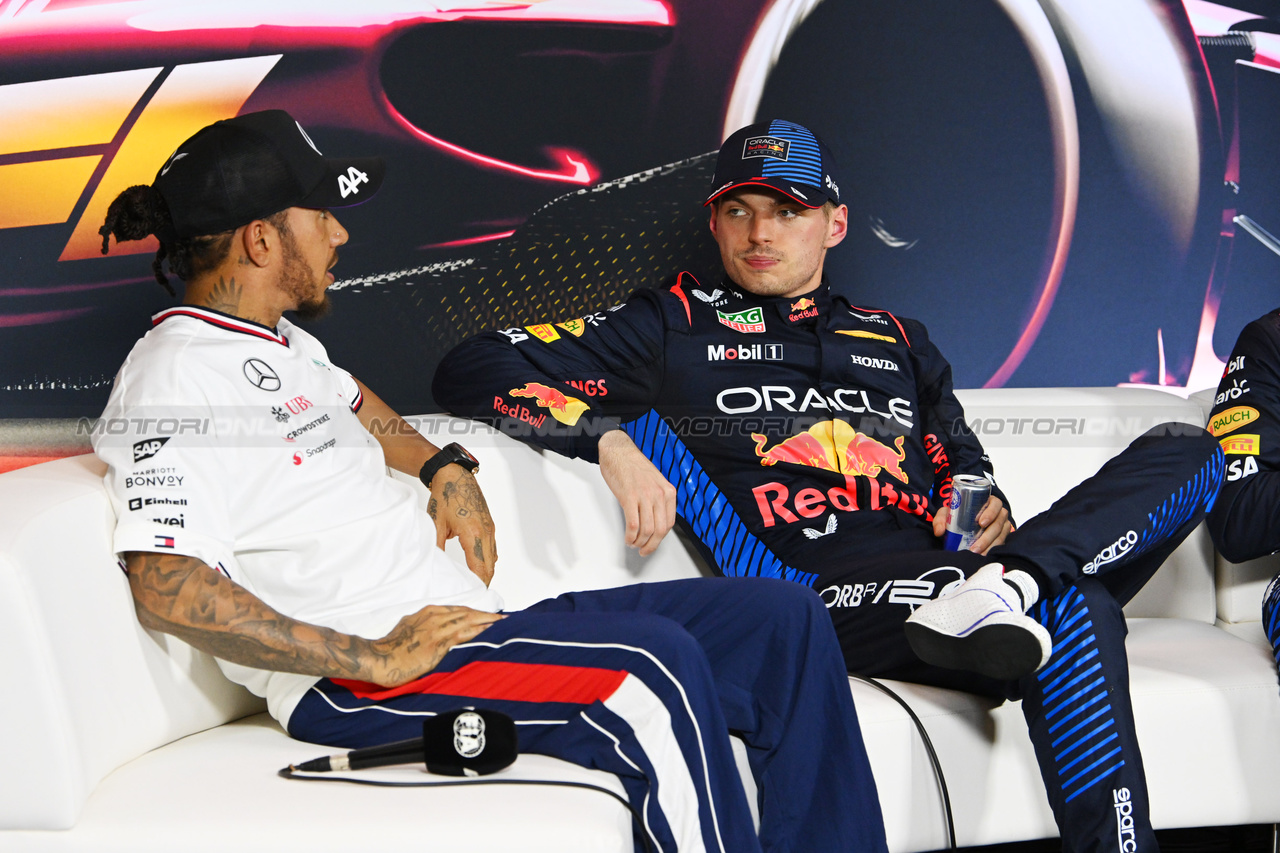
781 155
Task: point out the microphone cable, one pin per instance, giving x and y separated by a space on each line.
288 773
928 746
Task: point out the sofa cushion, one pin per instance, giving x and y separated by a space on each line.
97 689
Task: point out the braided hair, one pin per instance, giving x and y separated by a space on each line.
139 212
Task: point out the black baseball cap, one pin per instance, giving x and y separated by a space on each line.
781 155
252 166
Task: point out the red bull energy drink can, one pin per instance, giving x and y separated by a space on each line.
968 496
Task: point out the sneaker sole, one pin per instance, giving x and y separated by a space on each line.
1001 650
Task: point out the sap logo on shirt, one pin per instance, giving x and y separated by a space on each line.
147 448
754 352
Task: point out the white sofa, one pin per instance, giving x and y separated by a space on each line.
120 739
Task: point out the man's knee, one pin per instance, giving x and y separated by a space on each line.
1189 440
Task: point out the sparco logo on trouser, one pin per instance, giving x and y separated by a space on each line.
912 593
1111 553
1126 838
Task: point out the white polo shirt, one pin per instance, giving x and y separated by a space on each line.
238 444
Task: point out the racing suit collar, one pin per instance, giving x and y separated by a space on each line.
791 310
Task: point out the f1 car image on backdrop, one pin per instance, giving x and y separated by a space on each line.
1043 182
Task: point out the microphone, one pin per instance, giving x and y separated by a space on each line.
465 742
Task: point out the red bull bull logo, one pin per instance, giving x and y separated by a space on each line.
766 146
836 446
803 309
562 407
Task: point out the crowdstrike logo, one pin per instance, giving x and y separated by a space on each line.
1112 552
1126 837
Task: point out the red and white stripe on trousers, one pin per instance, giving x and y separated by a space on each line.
623 693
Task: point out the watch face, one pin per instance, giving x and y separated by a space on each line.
466 454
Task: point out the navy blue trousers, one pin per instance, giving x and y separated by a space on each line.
646 682
1091 552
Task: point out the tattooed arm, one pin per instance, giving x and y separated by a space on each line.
182 596
457 505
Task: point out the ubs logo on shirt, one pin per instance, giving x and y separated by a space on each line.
298 405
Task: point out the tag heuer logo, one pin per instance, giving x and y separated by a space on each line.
766 146
751 320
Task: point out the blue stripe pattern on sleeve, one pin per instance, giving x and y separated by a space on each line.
737 552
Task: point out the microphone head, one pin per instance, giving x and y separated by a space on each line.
469 742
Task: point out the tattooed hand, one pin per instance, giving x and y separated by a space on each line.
415 646
182 596
458 508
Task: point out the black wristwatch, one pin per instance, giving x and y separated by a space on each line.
454 454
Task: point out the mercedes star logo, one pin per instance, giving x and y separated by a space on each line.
261 375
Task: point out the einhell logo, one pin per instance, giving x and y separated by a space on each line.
766 146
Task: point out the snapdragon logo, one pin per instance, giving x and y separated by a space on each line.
1126 837
1112 552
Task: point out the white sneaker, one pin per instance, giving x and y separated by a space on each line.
981 626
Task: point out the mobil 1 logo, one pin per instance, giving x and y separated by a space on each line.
742 352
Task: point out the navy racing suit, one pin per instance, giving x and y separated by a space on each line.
1245 522
813 440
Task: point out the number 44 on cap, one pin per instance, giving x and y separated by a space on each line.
351 181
